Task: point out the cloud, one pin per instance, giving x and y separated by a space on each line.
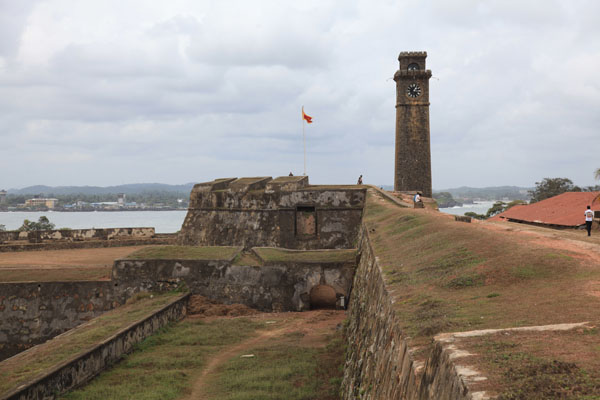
110 92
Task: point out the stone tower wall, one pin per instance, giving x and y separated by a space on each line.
413 148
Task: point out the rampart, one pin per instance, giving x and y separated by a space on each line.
379 364
81 368
32 313
264 212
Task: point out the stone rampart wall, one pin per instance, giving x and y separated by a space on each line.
378 362
83 367
31 313
281 286
77 234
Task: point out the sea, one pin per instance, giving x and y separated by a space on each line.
162 221
479 207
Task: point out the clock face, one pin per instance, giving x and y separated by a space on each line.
413 67
413 90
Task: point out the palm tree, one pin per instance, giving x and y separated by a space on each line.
597 174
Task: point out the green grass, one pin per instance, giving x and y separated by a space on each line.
270 255
165 364
282 370
25 366
186 253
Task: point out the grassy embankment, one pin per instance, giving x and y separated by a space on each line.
261 256
272 255
451 276
55 274
25 366
169 364
185 253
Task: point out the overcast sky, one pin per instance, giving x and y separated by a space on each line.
106 92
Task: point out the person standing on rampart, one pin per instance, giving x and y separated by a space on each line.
589 217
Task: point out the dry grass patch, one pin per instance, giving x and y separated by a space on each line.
186 253
538 365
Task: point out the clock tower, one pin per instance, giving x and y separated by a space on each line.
413 149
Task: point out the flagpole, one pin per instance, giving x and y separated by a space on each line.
304 140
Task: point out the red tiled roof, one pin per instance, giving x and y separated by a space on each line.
565 209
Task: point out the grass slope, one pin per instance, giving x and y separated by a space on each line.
452 276
186 253
271 254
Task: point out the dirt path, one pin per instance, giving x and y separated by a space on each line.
572 241
47 259
312 323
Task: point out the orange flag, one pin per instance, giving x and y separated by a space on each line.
305 117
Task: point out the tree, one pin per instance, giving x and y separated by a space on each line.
551 187
43 224
497 208
2 228
475 215
597 174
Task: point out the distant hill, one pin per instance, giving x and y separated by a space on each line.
133 188
489 193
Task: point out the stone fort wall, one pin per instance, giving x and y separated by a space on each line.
264 212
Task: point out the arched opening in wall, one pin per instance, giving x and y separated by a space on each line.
322 296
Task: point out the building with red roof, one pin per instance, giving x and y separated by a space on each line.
562 211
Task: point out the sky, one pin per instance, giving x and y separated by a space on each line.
108 92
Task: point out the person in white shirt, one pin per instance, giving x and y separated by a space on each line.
589 217
417 198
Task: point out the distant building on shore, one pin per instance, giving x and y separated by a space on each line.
41 202
3 196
